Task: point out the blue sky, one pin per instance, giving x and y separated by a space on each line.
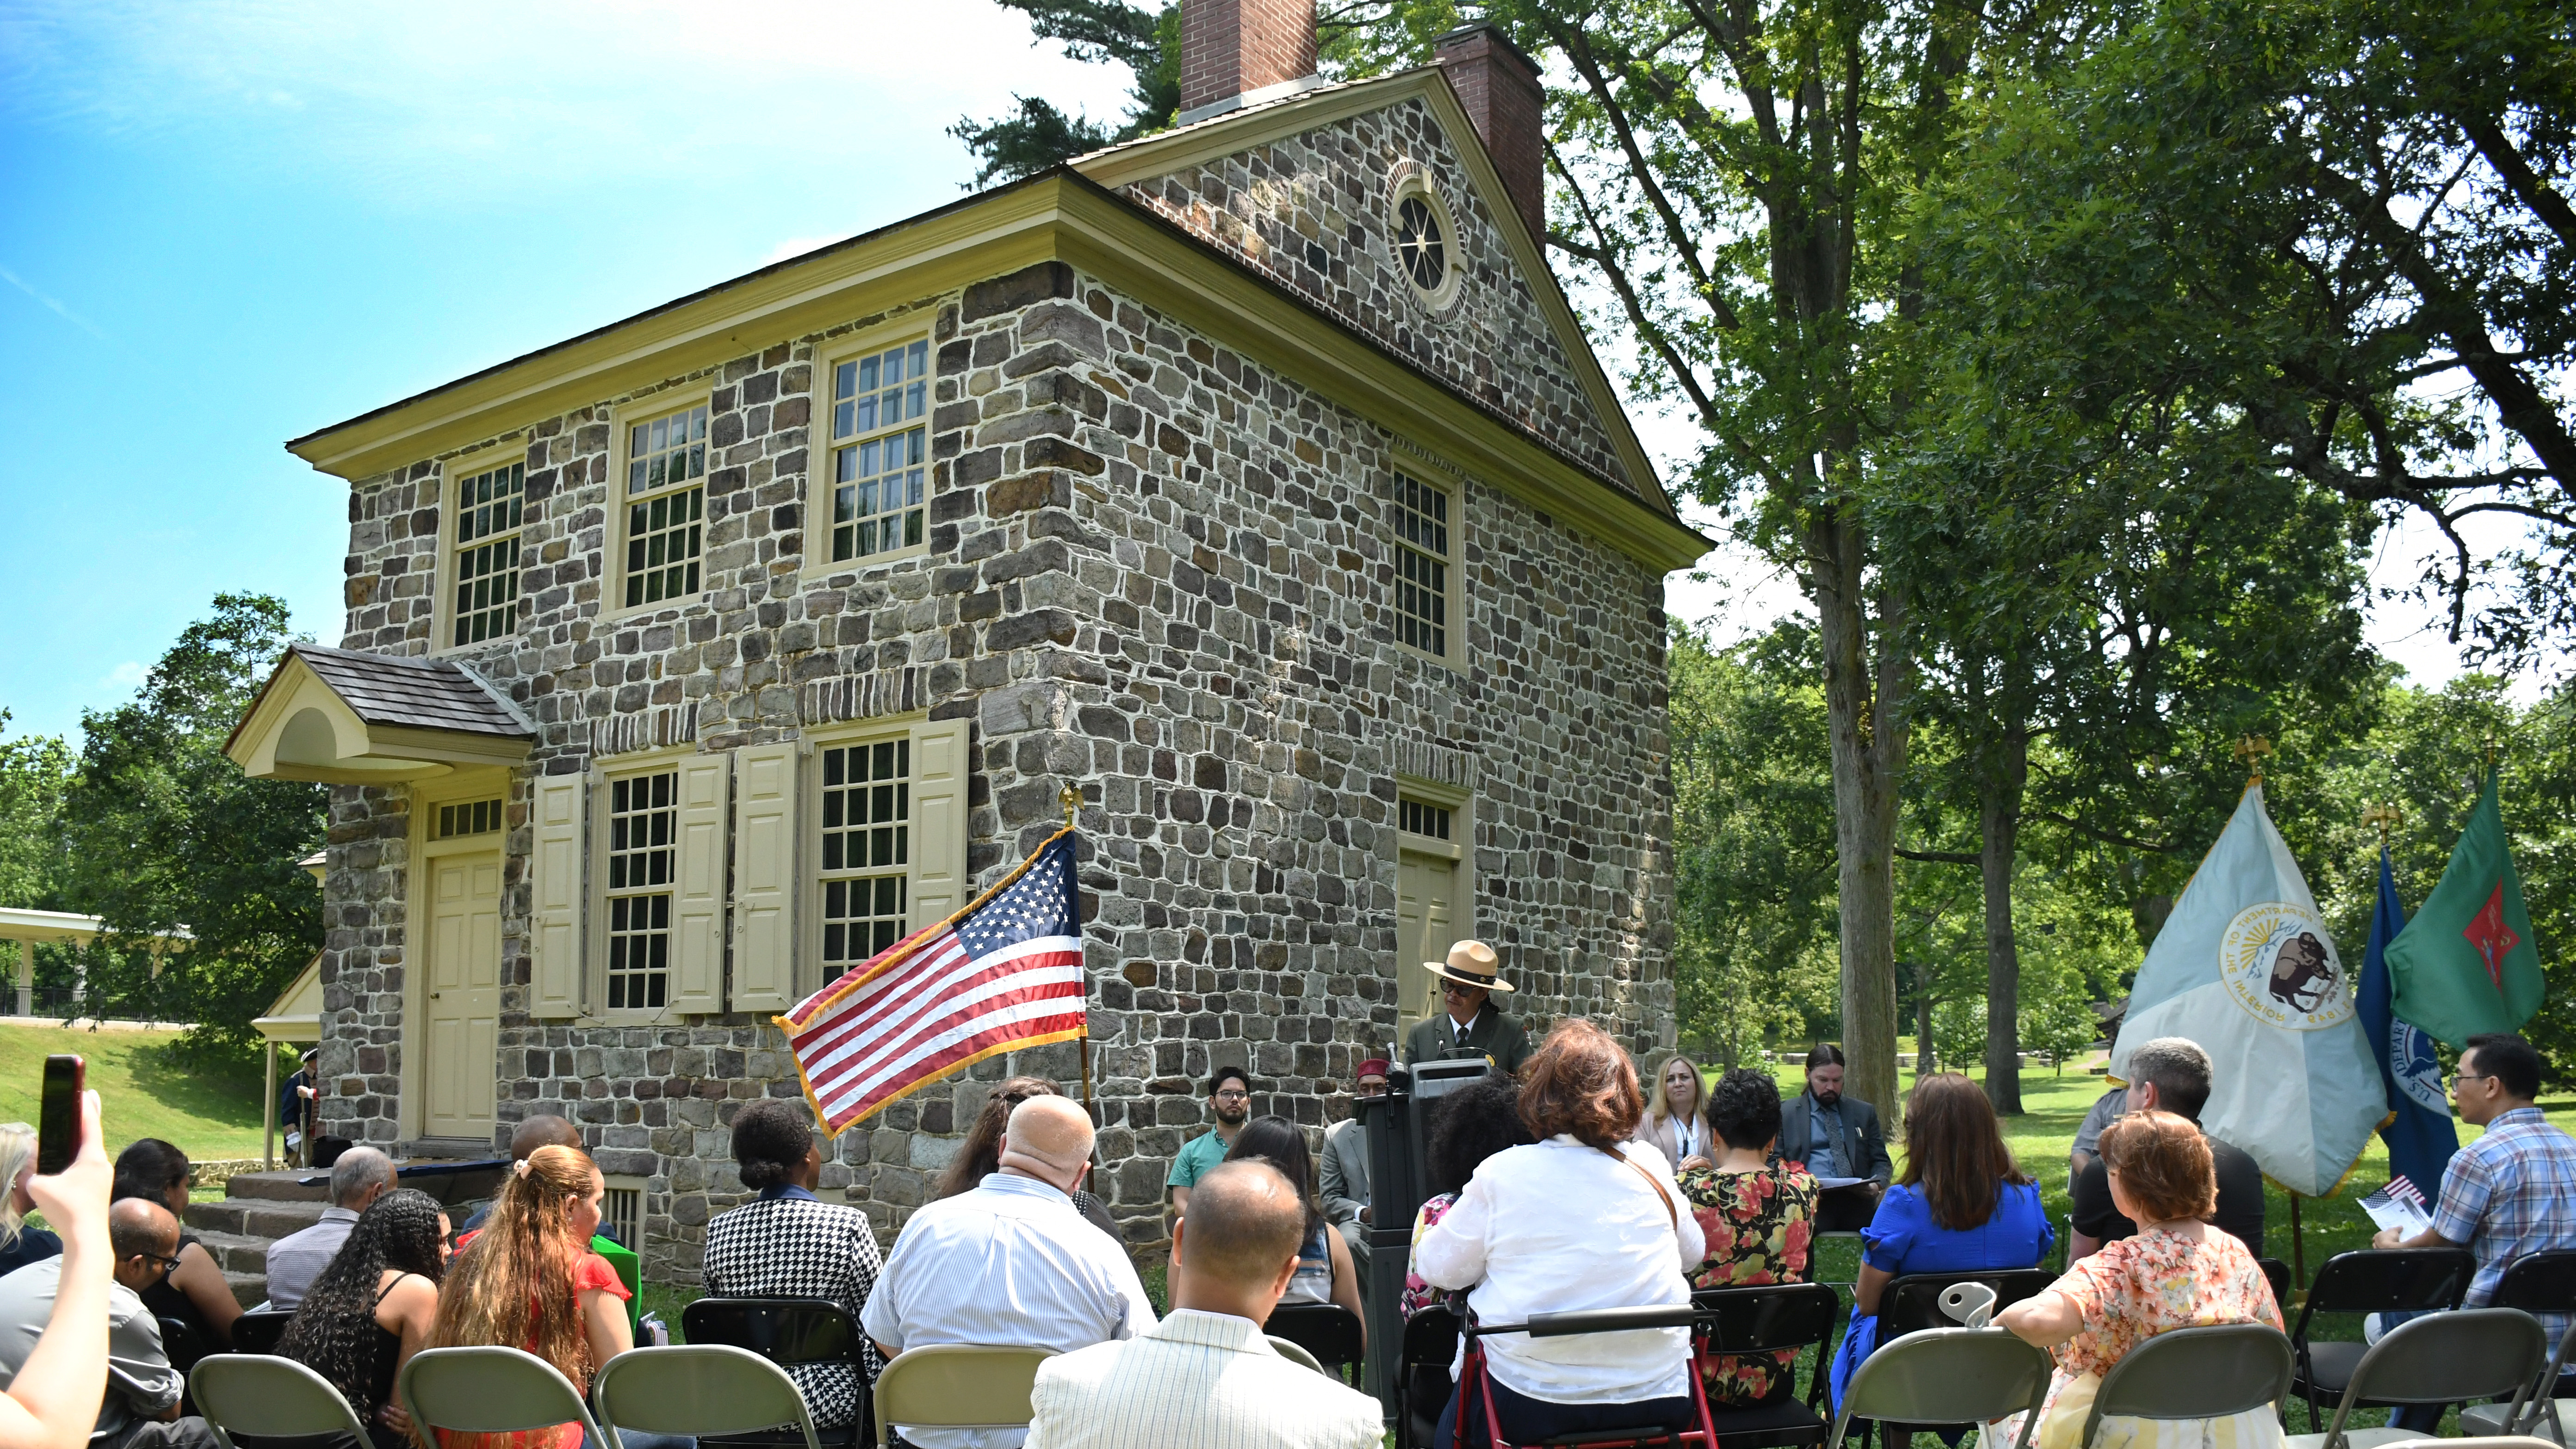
229 223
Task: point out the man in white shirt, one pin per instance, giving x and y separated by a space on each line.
1010 1262
1206 1377
360 1177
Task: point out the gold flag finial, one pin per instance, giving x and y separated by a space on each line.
2385 816
1071 799
2251 749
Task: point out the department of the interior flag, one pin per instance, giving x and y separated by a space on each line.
2418 1130
1004 973
2245 967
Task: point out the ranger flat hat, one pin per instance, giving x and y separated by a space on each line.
1470 963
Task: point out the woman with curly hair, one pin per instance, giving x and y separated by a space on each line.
980 1155
530 1281
372 1308
1324 1272
1581 1218
1468 1125
1758 1217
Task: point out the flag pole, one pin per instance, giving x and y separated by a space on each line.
1071 799
2298 1247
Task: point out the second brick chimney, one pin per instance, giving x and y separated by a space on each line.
1499 87
1240 52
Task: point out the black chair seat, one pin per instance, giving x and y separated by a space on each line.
1332 1333
2329 1367
1779 1424
259 1332
1422 1383
787 1439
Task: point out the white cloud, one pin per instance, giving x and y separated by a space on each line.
129 675
53 306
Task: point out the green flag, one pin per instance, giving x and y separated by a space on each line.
2466 963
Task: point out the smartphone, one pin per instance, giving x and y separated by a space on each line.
58 1116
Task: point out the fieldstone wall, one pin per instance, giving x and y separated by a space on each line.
1316 212
1156 571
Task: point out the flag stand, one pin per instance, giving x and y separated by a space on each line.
1071 799
2298 1246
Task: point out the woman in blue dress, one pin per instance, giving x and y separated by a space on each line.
1961 1205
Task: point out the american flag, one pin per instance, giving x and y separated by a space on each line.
1004 973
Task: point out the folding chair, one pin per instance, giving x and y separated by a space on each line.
1788 1317
2441 1358
787 1332
1330 1334
698 1389
489 1390
2277 1273
2491 1441
1295 1352
1422 1375
1912 1303
2386 1280
1947 1376
2542 1282
269 1398
260 1330
2196 1373
957 1386
1475 1380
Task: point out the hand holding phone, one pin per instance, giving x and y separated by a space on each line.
74 1200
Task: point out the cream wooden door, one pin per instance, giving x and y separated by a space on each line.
463 1011
1426 921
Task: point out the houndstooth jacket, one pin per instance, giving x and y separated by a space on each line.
786 1244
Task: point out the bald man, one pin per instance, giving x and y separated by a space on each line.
1206 1375
1009 1262
141 1407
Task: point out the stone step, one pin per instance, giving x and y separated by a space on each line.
249 1289
286 1185
236 1252
252 1217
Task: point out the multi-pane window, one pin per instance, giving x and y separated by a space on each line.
643 819
1421 517
879 450
487 554
666 496
471 817
621 1207
867 814
1416 817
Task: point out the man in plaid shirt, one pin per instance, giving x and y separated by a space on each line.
2508 1193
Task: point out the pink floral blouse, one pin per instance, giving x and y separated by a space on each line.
2138 1287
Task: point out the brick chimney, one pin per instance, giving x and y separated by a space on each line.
1499 88
1237 53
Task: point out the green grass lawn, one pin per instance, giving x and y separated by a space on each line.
142 1093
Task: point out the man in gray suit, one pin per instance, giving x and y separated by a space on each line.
1346 1171
1836 1136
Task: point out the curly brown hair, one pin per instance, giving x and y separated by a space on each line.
1581 1083
1954 1151
2163 1164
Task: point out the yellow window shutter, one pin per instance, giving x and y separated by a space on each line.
557 894
697 905
939 774
764 878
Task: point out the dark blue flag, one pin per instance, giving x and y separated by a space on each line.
2419 1133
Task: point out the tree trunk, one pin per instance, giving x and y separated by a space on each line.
1869 742
1926 1061
2000 779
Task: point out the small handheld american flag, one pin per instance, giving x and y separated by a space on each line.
1004 973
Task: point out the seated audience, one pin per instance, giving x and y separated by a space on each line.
981 1153
788 1243
1009 1263
2177 1271
1467 1126
530 1281
134 1404
1758 1218
1837 1137
1344 1167
1582 1218
542 1130
1674 1125
1206 1375
19 1243
2105 1109
372 1306
194 1292
1963 1204
360 1177
1324 1271
56 1388
2169 1074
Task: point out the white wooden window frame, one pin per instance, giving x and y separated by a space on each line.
701 847
937 885
822 473
1453 571
613 1205
449 562
623 419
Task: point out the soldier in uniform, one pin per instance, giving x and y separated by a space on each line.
1473 1025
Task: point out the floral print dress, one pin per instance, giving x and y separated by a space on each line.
2129 1292
1760 1231
1417 1294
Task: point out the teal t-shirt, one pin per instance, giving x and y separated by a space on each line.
1196 1156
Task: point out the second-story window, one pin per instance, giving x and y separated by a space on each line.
666 471
880 451
867 839
1421 519
643 817
486 539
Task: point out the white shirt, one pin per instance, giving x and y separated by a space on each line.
1010 1262
1560 1226
1196 1381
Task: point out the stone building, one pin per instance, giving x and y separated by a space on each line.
1253 479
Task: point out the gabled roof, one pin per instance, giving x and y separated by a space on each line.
346 717
429 694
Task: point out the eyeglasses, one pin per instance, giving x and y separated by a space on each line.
168 1265
1234 1094
2472 1077
1452 988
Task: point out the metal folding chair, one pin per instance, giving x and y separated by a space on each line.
2196 1373
1475 1380
2542 1282
259 1331
789 1332
1295 1352
1330 1334
269 1398
1947 1376
698 1389
489 1390
1422 1382
957 1386
2388 1280
2441 1358
1782 1318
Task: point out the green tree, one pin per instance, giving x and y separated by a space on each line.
34 769
165 835
1039 134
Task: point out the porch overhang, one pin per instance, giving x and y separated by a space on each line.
343 717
